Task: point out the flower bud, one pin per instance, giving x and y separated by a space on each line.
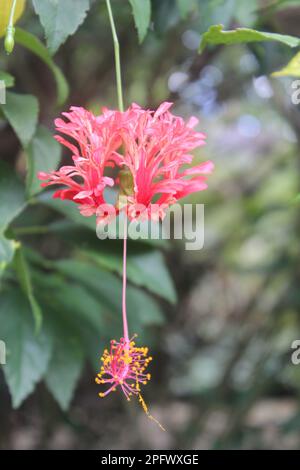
9 42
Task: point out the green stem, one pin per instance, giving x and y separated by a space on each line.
12 14
117 56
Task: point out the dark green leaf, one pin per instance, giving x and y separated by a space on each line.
216 35
141 307
60 19
21 111
43 154
65 367
24 276
12 196
141 10
28 354
33 44
79 301
146 269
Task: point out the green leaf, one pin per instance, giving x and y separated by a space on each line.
28 354
60 19
216 35
185 7
7 249
292 69
146 270
43 154
24 276
21 111
12 196
142 309
71 298
8 79
79 301
33 44
141 10
65 367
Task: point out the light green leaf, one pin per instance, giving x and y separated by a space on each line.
21 111
33 44
141 10
43 154
216 35
28 354
8 79
185 7
12 196
65 367
60 19
292 69
146 269
7 249
24 276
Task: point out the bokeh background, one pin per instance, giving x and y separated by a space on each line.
220 322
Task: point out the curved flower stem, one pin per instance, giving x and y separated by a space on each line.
121 107
117 56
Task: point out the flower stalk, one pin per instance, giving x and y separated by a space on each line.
121 108
117 56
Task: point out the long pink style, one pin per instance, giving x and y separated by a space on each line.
124 312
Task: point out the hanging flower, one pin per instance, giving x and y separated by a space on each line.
151 150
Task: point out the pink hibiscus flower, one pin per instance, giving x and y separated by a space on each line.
153 147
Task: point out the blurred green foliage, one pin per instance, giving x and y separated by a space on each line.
222 343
